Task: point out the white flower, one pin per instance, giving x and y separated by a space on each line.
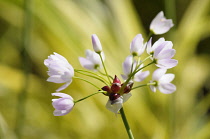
162 53
160 24
129 64
115 105
137 46
96 44
92 60
60 71
62 105
162 81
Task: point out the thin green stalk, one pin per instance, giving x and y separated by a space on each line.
22 96
127 127
154 83
86 81
127 81
88 96
96 76
104 67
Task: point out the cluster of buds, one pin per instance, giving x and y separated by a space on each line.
160 54
117 89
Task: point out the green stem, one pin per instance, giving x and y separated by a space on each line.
96 76
154 83
86 81
104 67
127 127
88 96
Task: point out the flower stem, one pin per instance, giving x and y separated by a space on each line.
104 67
127 127
87 82
154 83
93 75
88 96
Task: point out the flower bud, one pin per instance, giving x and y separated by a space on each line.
128 87
114 96
116 80
96 44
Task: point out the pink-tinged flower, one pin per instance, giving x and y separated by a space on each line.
160 24
92 60
162 53
116 104
96 44
129 64
60 71
62 105
162 81
137 46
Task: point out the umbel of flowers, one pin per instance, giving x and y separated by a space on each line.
160 54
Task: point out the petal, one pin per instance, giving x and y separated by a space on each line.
166 54
167 88
63 104
86 63
64 86
61 112
96 43
127 65
158 73
63 95
167 78
55 79
152 88
166 63
149 46
114 107
140 76
137 45
126 97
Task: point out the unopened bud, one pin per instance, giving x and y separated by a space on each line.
96 44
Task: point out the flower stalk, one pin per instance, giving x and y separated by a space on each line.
126 124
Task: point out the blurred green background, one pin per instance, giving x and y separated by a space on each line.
31 30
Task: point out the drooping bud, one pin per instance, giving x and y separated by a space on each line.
128 87
114 96
96 44
107 89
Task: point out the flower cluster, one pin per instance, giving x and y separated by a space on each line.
160 54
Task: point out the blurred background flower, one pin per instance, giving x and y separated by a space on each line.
31 30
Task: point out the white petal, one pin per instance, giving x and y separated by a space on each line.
167 88
158 73
55 79
116 106
140 76
127 65
167 78
61 112
153 88
86 63
166 54
126 97
137 45
149 46
166 63
96 43
63 95
64 86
